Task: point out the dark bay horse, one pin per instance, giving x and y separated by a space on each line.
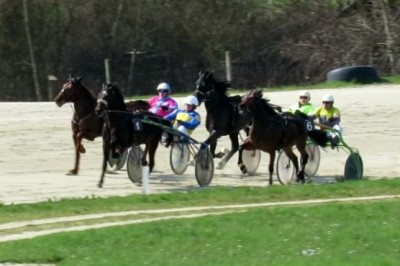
271 131
222 117
85 124
126 127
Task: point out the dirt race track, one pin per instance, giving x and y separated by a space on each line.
37 149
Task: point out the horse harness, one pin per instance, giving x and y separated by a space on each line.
75 117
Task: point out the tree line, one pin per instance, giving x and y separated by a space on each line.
271 42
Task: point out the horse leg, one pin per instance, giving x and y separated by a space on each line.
77 143
212 141
290 154
234 137
271 166
152 152
247 145
106 152
303 162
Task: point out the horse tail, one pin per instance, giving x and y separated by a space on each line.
319 137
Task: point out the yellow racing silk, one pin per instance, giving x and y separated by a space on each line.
183 116
329 117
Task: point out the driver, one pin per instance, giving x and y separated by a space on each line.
162 104
186 119
303 104
329 118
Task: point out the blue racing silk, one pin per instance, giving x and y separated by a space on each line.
190 120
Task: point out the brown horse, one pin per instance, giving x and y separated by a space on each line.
127 128
271 131
85 123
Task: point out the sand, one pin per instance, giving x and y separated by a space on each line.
37 149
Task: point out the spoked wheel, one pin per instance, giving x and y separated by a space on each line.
284 169
252 160
134 164
121 160
204 167
179 157
354 168
314 158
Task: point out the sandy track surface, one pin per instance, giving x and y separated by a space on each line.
37 149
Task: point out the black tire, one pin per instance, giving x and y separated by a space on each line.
284 169
204 167
121 160
251 159
354 167
358 74
179 157
134 165
314 159
111 160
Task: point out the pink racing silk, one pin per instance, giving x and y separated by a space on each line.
162 106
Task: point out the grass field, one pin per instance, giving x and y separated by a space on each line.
352 233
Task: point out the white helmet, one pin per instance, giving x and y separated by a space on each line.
163 86
328 98
305 94
192 100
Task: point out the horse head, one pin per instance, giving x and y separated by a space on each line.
254 101
109 98
70 91
249 99
206 85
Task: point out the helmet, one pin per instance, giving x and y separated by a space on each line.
328 98
305 94
192 100
163 86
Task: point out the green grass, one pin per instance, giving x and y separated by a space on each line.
197 197
352 233
329 234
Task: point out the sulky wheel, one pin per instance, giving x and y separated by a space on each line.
111 160
134 164
314 158
251 159
284 169
204 167
121 160
353 169
179 157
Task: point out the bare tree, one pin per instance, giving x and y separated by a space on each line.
31 52
388 34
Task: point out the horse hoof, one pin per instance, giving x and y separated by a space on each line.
243 168
111 171
99 185
72 172
220 165
81 149
219 155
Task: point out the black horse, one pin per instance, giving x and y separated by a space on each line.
271 131
223 117
126 128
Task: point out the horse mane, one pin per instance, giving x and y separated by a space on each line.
86 91
220 87
269 108
119 97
